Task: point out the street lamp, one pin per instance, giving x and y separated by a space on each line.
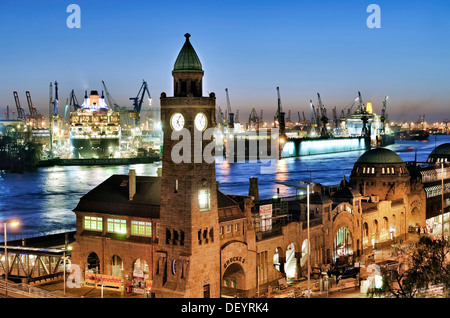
13 224
442 200
309 244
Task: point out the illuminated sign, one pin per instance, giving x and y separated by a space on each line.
99 280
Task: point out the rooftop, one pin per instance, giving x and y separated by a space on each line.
379 155
187 60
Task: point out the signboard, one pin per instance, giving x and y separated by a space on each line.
138 272
99 280
265 211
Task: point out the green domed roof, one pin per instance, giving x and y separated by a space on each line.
187 60
442 150
380 155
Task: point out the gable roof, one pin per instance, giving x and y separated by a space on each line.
112 197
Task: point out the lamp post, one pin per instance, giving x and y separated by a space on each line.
442 197
309 244
13 224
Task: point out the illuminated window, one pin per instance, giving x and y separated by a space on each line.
141 228
203 199
383 170
93 223
117 226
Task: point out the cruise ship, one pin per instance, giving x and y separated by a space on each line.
95 130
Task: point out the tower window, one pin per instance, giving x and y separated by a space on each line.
204 199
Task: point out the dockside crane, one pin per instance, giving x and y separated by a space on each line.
230 117
313 113
384 115
362 108
280 114
253 120
137 102
34 114
73 101
111 102
349 111
219 116
21 113
54 120
323 116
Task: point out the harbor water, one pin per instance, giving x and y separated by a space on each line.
43 200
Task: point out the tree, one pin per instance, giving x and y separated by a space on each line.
428 264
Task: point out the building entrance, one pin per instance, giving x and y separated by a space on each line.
342 245
233 282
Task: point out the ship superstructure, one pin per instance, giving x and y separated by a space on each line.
95 130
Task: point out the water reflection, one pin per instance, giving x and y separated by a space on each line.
44 200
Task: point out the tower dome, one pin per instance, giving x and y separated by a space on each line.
187 72
440 154
380 156
380 172
187 60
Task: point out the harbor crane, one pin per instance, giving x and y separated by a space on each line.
34 116
111 102
219 116
313 113
280 114
362 108
137 102
229 112
21 113
253 120
384 116
323 116
349 111
33 111
73 101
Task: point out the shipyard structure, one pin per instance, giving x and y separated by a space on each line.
177 235
357 128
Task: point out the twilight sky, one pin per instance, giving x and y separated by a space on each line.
247 46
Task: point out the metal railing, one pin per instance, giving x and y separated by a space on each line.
24 290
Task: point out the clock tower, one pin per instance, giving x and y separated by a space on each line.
188 256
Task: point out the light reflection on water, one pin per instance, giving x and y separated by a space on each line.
43 200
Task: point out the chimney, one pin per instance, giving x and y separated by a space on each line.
253 190
132 183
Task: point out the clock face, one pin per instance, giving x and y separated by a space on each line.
200 121
177 121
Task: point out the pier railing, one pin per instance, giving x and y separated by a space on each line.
20 236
